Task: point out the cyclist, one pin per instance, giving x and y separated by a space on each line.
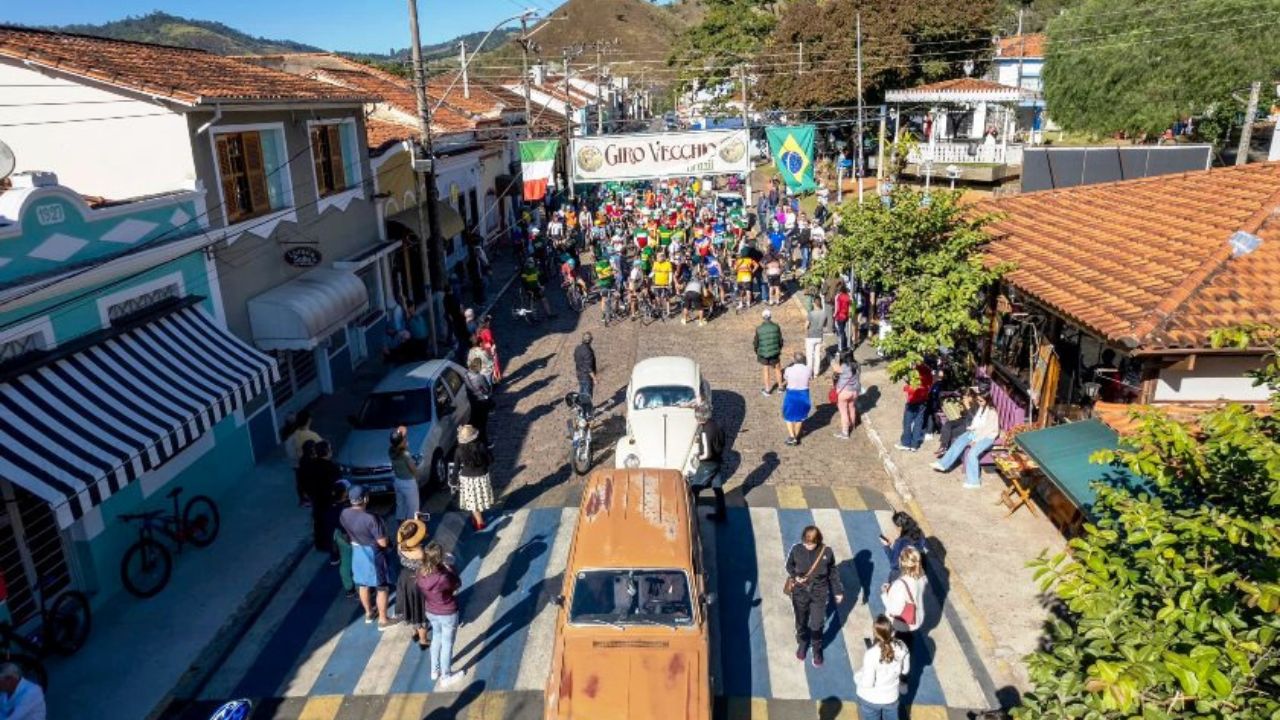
693 299
605 280
635 288
662 274
711 267
531 285
569 274
744 271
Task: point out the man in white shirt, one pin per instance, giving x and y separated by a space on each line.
20 699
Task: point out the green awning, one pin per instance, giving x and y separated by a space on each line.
450 221
1063 451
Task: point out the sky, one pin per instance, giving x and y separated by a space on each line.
355 25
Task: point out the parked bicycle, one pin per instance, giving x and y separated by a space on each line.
147 564
64 627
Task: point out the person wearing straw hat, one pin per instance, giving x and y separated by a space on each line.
475 491
410 539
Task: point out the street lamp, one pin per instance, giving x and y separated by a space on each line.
466 62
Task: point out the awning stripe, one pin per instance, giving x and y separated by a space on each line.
82 427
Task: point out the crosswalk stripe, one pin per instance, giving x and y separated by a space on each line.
242 659
948 662
533 669
707 533
849 498
853 627
321 707
319 647
526 588
744 659
786 679
404 706
791 497
747 708
480 601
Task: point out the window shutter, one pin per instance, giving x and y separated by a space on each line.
258 194
335 157
227 178
318 157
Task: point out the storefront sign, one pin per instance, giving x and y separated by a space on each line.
638 157
302 257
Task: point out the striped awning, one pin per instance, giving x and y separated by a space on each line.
81 427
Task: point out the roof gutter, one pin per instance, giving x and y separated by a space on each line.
217 115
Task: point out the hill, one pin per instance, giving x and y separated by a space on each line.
639 30
167 29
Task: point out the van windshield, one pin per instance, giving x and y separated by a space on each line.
662 396
631 597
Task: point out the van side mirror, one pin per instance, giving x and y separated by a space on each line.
708 598
558 600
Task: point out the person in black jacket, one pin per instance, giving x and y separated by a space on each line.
709 445
812 565
584 366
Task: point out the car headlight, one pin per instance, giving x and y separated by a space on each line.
631 461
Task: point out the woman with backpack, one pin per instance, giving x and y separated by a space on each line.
903 598
878 681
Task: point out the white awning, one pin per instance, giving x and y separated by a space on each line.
301 313
80 427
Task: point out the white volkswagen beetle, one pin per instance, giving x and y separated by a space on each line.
661 398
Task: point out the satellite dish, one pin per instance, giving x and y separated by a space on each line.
7 161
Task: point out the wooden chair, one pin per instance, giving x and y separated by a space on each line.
1023 477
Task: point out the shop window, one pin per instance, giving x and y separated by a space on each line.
250 175
297 372
334 158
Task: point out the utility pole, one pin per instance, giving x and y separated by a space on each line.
462 51
426 154
1246 132
859 47
524 67
568 124
599 89
746 124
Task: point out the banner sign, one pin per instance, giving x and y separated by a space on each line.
537 161
602 158
792 150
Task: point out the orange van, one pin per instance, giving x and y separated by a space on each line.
631 635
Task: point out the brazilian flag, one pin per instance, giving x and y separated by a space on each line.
792 149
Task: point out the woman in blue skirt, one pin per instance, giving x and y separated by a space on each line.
795 403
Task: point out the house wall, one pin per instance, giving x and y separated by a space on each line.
58 124
1007 73
1214 378
252 261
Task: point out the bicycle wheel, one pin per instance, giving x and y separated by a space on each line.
201 520
145 568
67 623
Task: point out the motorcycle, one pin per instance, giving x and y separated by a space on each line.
579 431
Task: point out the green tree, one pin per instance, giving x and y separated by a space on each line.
1140 66
903 42
731 32
1171 598
925 252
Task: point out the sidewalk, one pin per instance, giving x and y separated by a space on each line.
968 529
141 651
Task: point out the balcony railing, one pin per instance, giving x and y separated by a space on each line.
962 153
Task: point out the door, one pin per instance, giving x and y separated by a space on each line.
31 548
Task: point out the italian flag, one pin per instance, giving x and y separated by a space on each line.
537 159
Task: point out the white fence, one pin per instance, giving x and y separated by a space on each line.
949 153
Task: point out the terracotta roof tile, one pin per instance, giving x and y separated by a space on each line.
397 93
1148 260
1030 45
186 76
380 133
964 85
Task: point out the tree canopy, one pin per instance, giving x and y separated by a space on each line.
1171 598
730 34
903 42
1140 66
924 252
